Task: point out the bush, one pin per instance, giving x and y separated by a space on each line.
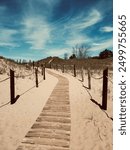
106 54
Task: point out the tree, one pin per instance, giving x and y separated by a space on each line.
72 56
81 51
106 54
75 51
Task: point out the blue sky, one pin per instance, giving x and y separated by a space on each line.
35 29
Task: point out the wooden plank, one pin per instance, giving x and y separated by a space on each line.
57 102
40 147
49 131
56 108
52 135
49 125
46 141
59 97
53 119
57 114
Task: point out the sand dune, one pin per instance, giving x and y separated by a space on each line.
91 127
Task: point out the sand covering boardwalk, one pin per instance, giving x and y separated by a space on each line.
51 131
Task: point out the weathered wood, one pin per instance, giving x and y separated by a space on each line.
63 68
46 141
53 119
59 136
40 147
42 69
33 64
56 114
104 90
82 74
36 75
89 79
57 108
74 71
12 87
44 73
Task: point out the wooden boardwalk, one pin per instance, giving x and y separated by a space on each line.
51 131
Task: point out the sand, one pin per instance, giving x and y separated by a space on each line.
91 127
16 119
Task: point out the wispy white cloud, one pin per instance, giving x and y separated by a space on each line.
45 7
6 37
85 20
36 27
80 22
102 45
77 38
8 44
58 52
106 29
36 32
93 18
50 3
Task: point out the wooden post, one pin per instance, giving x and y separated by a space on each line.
82 74
89 79
42 69
33 64
63 68
36 74
74 71
12 87
44 73
104 90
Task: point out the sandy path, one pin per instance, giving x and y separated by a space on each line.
51 131
16 119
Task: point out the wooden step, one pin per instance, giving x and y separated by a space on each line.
40 147
57 102
46 141
49 125
57 114
55 111
56 108
59 96
49 131
53 119
51 135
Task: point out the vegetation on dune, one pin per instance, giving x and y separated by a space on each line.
80 57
